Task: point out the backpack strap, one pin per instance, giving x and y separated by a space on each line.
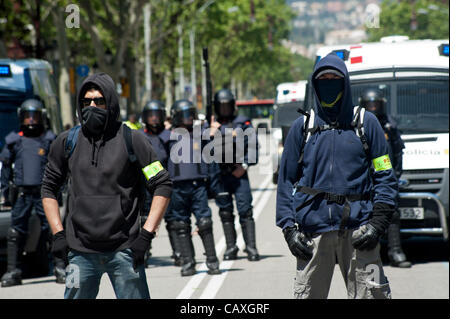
72 138
127 135
307 130
71 141
358 126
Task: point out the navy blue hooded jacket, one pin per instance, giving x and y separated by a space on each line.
335 162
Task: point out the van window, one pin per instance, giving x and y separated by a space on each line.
14 82
417 105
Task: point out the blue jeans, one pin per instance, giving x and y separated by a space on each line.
86 269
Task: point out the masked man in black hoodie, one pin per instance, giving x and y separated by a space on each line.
101 232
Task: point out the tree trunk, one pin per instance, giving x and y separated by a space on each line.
63 79
168 90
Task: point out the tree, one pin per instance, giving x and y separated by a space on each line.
418 19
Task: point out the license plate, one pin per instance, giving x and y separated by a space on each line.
411 213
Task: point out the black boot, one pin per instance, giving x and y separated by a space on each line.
206 233
13 275
173 238
249 234
229 231
396 255
186 248
59 270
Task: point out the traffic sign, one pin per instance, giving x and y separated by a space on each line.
82 70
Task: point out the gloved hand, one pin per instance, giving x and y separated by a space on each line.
368 239
59 246
298 244
372 231
140 246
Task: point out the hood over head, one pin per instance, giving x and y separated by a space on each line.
343 109
108 89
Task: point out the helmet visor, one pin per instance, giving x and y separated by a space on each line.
186 117
376 107
226 109
153 117
31 117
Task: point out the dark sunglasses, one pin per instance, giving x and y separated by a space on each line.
97 101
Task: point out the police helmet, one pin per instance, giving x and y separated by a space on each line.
224 103
373 100
183 113
154 114
32 116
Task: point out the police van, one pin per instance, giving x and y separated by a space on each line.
413 75
289 92
20 80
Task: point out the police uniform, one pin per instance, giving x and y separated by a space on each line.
374 101
189 174
29 156
396 146
239 187
229 185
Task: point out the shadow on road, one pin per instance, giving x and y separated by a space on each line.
160 262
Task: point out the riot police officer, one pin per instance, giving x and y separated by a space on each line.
189 174
374 101
27 150
234 177
154 116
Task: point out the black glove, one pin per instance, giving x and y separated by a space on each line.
298 244
59 246
140 246
381 218
369 238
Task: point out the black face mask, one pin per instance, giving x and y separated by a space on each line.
94 119
32 130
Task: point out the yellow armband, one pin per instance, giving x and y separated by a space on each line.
382 163
152 169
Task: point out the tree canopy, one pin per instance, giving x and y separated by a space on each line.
243 38
418 19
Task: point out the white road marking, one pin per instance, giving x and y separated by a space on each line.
216 282
196 279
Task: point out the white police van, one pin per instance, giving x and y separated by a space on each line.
20 80
289 92
413 74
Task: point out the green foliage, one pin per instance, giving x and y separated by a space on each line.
397 18
243 38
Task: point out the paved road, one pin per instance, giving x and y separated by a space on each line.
269 278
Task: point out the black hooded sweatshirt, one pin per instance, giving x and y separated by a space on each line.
105 189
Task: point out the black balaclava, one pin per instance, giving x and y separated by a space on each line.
330 92
94 119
